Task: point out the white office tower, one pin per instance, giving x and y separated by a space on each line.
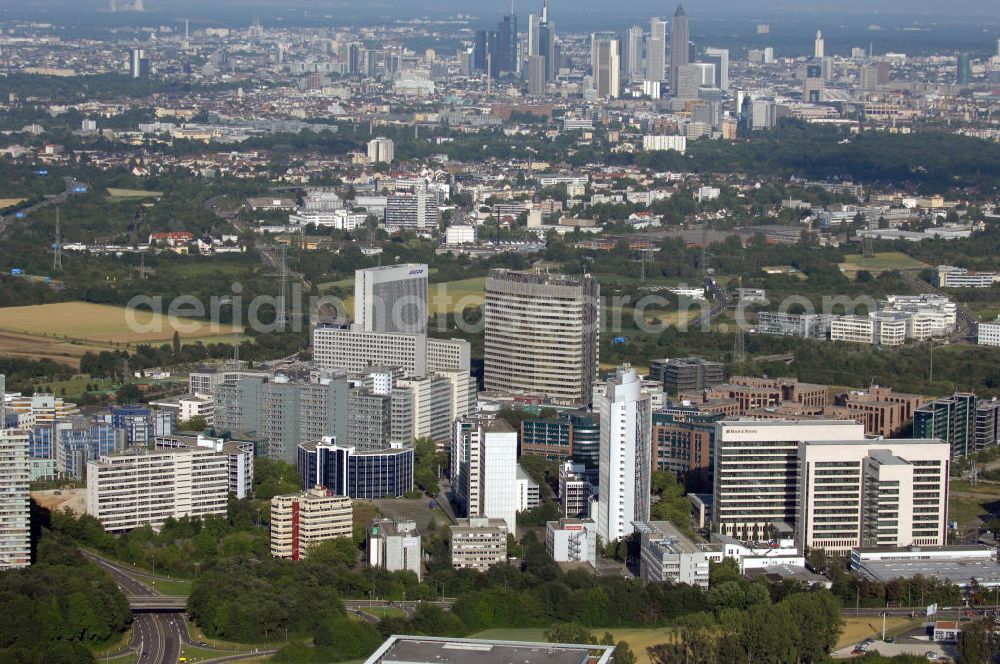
381 150
391 299
542 334
820 48
394 545
656 51
872 493
15 511
756 480
626 428
633 53
720 57
607 69
484 463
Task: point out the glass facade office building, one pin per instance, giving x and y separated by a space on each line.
360 475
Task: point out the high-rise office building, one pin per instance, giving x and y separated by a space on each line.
633 53
951 419
15 511
347 471
391 299
626 425
542 334
964 76
381 150
872 493
302 520
691 78
819 48
607 69
542 40
756 463
720 58
536 75
484 468
138 63
679 46
814 83
656 51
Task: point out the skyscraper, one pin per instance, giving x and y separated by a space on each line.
719 57
679 38
656 50
381 150
484 468
15 513
819 50
536 75
138 63
541 40
625 455
633 53
391 299
541 334
607 69
964 69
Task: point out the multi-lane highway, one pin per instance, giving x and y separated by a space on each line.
156 637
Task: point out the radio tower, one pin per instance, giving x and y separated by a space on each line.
57 247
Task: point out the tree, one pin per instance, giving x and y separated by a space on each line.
624 654
177 343
196 423
977 644
127 394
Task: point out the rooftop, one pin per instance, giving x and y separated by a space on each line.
433 650
959 571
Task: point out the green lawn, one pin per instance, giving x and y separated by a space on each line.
880 262
133 193
638 639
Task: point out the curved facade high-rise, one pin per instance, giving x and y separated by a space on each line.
542 334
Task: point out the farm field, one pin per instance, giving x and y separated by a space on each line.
879 263
10 202
48 324
443 298
133 193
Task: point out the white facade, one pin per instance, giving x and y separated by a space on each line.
478 543
460 234
484 469
572 541
395 546
381 150
15 511
756 483
872 493
989 333
667 555
239 457
575 491
132 489
199 405
625 449
301 520
528 494
391 299
341 220
656 143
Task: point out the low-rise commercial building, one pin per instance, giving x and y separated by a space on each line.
394 545
478 543
384 473
575 490
572 541
667 555
449 650
301 520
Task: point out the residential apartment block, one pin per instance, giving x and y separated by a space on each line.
301 520
15 510
146 487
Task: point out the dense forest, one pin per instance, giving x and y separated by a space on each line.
60 607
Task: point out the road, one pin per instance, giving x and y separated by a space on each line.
157 637
57 199
967 321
